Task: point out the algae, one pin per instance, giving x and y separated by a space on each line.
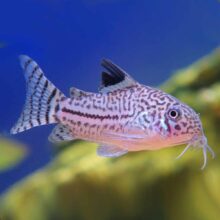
11 154
78 184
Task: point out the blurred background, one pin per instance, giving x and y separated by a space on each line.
154 41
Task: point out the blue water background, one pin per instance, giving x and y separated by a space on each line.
150 39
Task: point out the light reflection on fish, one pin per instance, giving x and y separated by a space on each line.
124 116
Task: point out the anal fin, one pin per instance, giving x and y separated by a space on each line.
110 151
61 133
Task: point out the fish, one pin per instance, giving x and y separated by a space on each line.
123 116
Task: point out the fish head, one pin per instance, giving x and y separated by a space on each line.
182 125
170 122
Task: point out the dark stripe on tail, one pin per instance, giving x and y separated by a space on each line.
42 98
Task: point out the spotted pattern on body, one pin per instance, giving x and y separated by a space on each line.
123 116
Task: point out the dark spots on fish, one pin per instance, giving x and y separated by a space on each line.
47 114
63 99
33 72
159 103
38 119
87 115
190 129
55 118
70 101
31 123
86 124
168 105
93 126
27 63
57 108
177 127
167 124
52 95
124 116
141 108
151 106
169 99
184 124
146 119
117 129
64 118
157 123
88 106
112 127
160 108
105 126
72 122
150 94
154 114
144 102
84 103
176 104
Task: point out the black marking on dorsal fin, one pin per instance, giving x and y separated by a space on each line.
114 78
109 80
114 75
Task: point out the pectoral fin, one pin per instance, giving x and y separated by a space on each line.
110 151
60 134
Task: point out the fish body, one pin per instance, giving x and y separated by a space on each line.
124 116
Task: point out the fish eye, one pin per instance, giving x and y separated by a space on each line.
174 114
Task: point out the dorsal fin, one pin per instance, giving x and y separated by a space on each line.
75 93
114 78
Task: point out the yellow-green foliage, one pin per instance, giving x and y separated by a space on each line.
11 153
79 185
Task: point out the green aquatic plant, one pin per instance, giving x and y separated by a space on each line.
11 154
78 184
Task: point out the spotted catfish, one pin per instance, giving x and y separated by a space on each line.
124 116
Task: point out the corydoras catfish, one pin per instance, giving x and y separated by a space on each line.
123 116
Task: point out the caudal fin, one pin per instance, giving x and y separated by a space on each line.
42 99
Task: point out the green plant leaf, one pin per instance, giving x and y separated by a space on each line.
11 153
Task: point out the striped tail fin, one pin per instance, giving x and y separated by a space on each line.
42 100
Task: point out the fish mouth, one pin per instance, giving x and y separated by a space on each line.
199 142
